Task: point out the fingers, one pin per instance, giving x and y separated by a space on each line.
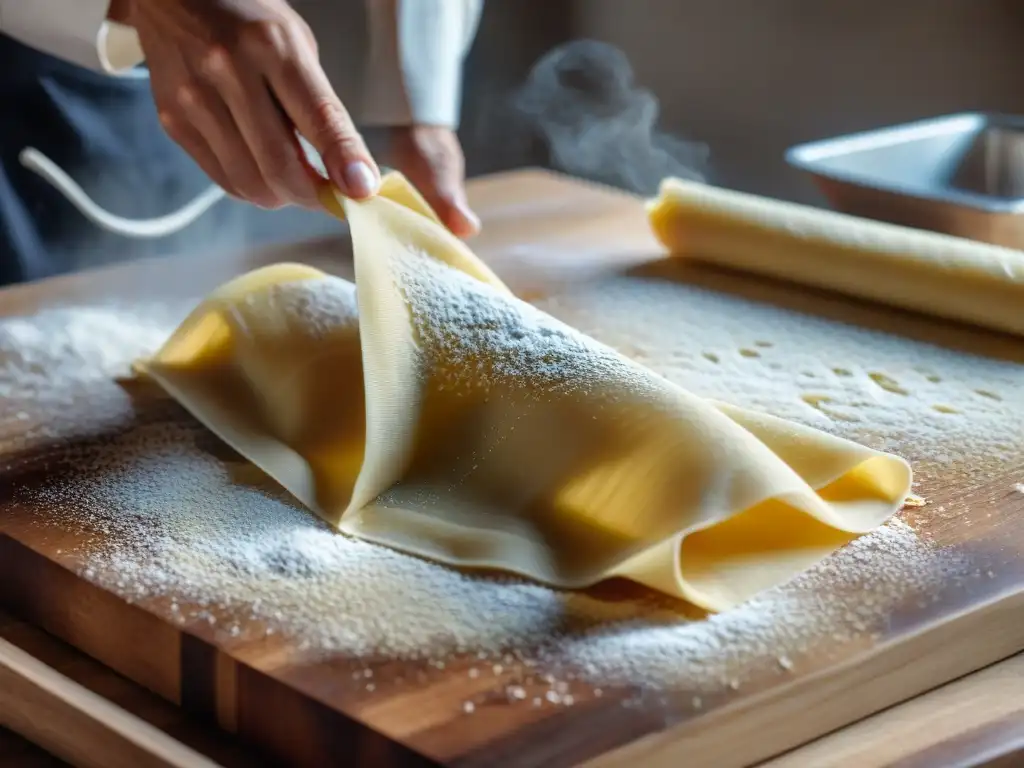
195 116
192 142
306 95
449 200
211 118
169 84
269 138
235 99
441 179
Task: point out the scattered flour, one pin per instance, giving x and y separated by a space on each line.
928 402
163 516
51 355
58 369
840 601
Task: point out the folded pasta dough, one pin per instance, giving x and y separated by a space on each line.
428 409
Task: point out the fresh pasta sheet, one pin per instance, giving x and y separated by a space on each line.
426 408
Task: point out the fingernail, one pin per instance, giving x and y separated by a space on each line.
360 180
471 218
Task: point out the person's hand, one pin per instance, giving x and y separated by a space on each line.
233 80
431 158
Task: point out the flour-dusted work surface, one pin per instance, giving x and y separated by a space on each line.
134 534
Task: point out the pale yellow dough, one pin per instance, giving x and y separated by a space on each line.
928 272
428 409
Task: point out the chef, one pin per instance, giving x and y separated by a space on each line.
230 82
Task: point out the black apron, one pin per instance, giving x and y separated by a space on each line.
103 131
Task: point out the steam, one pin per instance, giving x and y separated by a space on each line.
580 112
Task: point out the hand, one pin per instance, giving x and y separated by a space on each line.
431 158
233 80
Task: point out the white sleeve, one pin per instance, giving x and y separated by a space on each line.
414 72
75 30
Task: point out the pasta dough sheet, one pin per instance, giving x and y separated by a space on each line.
927 272
428 409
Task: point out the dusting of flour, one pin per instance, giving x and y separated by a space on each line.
53 364
928 402
479 336
49 356
161 516
310 309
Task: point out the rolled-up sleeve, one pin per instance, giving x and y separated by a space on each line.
75 30
417 48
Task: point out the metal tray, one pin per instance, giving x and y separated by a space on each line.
960 174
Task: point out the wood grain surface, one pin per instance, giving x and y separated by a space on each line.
972 722
544 235
85 714
76 722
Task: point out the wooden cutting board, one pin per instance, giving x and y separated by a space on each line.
550 238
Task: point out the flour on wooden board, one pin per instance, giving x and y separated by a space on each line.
165 525
169 520
925 401
50 362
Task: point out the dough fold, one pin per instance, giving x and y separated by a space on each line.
427 409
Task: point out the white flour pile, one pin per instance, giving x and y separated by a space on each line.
172 521
52 364
45 356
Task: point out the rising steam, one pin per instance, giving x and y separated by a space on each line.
580 112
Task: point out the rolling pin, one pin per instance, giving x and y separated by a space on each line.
912 269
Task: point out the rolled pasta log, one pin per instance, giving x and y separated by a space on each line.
927 272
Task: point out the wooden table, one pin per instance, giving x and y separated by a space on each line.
545 236
975 721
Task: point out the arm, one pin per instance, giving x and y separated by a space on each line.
84 32
414 75
234 79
